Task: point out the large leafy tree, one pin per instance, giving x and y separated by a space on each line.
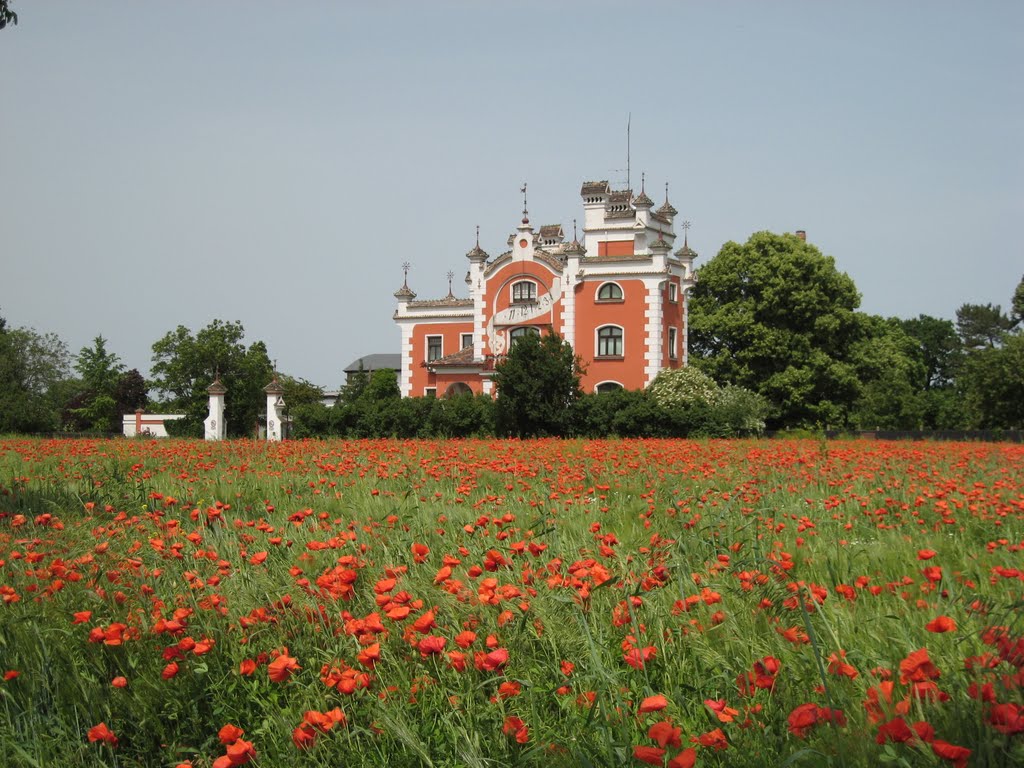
95 405
775 316
184 365
34 369
538 382
893 376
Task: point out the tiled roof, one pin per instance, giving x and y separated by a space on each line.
659 216
667 210
595 188
445 302
643 201
551 232
405 293
461 358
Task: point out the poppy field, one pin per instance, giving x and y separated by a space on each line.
491 603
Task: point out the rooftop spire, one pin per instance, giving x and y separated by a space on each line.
450 276
526 216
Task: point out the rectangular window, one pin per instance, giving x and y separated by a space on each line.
433 348
673 334
524 291
609 341
430 392
467 340
673 292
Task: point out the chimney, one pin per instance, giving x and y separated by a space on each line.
802 235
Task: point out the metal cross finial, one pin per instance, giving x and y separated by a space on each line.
405 274
686 229
450 276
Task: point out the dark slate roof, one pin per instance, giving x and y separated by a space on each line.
376 363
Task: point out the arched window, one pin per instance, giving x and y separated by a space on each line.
609 341
518 333
524 291
607 386
609 292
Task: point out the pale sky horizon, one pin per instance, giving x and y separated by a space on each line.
275 164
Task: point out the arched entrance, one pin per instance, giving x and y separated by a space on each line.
456 389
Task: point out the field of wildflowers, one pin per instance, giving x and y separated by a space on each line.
492 603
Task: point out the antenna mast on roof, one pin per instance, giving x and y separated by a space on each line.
629 120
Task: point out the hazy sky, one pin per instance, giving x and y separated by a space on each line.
166 163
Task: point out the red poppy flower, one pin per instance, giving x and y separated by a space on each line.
685 759
941 624
653 704
664 734
229 734
281 668
102 733
956 755
649 755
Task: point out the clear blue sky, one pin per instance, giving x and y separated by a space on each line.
168 163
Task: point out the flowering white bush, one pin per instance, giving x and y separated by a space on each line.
677 387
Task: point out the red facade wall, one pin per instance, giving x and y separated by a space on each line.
450 342
630 315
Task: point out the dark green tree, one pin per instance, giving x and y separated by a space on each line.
939 348
184 365
775 316
981 326
34 369
7 16
131 392
538 382
1017 305
991 383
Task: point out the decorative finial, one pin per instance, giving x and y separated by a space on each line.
450 276
686 226
574 230
666 191
643 181
405 274
477 235
526 216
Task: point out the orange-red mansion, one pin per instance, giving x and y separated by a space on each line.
619 298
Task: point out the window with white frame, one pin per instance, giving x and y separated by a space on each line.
673 343
467 340
524 291
609 341
673 292
434 348
430 392
609 292
607 386
518 333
